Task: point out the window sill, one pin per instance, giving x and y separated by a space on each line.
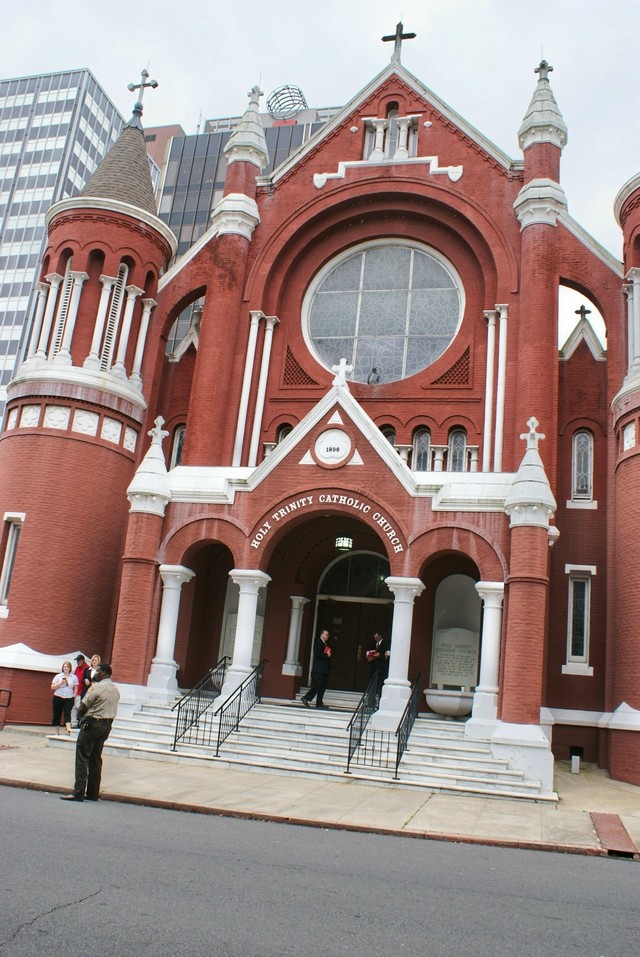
579 503
576 668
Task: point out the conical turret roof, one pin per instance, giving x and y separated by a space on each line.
124 175
543 122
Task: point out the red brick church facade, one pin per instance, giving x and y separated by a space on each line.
369 426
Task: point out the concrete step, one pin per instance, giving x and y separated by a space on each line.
285 738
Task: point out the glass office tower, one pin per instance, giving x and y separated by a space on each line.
54 131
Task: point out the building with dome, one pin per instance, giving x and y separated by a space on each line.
367 427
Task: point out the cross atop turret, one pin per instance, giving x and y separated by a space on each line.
398 37
142 86
532 436
543 70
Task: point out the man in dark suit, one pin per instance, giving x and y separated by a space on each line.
378 658
320 668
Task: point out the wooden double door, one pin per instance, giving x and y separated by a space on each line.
352 624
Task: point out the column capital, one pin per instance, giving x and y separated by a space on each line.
108 281
298 601
249 579
175 575
492 593
406 589
149 304
54 278
133 291
79 276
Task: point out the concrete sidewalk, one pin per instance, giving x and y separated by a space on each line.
26 761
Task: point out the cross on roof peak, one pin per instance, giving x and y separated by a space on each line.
158 433
341 370
583 312
398 37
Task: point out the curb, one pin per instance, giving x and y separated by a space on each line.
549 846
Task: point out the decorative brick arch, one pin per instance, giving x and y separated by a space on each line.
485 552
198 532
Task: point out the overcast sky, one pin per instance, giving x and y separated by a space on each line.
477 55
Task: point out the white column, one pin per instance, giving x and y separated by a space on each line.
438 458
43 290
147 306
249 581
163 667
402 151
118 368
254 321
54 279
292 665
377 153
484 717
396 690
93 359
491 316
634 324
64 355
503 311
270 324
627 291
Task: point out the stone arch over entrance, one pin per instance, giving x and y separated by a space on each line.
352 603
303 556
201 622
449 602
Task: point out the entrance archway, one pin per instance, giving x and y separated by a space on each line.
353 602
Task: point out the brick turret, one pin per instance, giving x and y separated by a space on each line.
77 406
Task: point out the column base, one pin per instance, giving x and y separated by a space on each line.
484 716
393 701
233 679
162 675
527 748
291 668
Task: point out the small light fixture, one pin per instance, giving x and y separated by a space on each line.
344 543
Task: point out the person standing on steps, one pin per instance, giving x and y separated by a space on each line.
378 657
320 668
64 691
97 710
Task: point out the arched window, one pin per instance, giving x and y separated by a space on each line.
389 433
283 431
582 466
421 452
389 306
177 446
457 453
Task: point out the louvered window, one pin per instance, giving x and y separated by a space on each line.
63 310
113 318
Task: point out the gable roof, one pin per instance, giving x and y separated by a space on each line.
399 71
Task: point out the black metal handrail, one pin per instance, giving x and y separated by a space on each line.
231 713
356 727
196 702
407 721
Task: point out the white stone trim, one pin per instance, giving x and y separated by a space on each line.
579 503
540 202
81 377
236 214
114 206
453 172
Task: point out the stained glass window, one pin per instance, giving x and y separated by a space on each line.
388 306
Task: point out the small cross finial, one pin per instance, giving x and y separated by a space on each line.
142 86
158 433
397 38
254 94
532 436
583 312
341 370
543 70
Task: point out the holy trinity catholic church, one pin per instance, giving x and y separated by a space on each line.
369 426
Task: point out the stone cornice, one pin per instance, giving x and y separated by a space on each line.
92 203
236 214
541 201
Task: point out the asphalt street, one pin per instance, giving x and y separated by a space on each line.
112 879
